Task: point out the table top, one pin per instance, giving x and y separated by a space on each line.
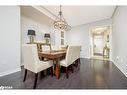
52 54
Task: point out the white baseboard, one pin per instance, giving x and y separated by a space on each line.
10 72
120 68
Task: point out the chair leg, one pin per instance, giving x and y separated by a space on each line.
25 75
51 71
35 81
79 61
76 62
72 68
41 74
66 72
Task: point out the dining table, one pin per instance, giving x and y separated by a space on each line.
54 55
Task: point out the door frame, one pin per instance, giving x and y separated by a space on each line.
91 40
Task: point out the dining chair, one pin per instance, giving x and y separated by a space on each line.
77 55
61 47
69 59
32 62
54 48
44 49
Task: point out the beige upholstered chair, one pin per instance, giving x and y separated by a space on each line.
71 56
77 55
54 48
32 62
73 53
62 47
45 48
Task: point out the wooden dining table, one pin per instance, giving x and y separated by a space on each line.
55 56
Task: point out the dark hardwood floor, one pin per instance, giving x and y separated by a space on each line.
90 74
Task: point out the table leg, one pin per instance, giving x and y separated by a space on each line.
57 71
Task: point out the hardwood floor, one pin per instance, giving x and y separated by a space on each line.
90 74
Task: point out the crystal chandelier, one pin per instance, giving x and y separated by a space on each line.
60 22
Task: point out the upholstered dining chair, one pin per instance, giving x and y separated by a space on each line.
54 48
73 53
44 49
77 55
32 63
69 59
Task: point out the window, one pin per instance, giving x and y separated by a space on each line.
62 34
62 37
62 41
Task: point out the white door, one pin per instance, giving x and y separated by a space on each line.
98 44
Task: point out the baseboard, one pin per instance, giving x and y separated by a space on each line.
120 68
10 72
85 57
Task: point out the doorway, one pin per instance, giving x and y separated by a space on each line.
100 44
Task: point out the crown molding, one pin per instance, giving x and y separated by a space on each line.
45 11
114 12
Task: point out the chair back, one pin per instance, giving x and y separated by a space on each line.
45 48
70 55
77 52
63 47
54 47
30 56
73 53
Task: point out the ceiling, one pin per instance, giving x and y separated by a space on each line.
36 15
77 15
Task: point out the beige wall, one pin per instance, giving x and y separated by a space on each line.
119 38
80 35
9 39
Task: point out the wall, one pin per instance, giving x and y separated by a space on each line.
80 35
9 39
40 29
119 39
33 19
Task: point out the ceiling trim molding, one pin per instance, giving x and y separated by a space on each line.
114 12
53 16
45 11
90 23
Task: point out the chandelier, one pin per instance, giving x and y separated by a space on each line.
60 22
